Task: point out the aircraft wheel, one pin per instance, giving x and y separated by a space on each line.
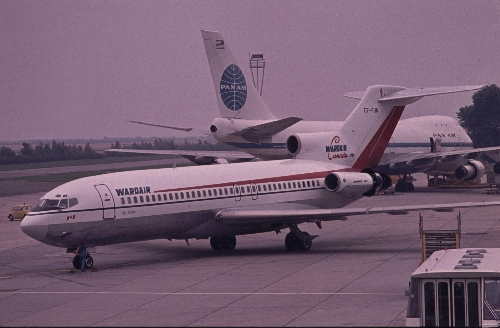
77 264
11 218
229 243
410 186
305 245
89 262
217 243
292 242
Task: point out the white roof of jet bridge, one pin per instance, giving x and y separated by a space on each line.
461 263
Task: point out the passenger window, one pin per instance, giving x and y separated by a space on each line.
259 188
220 191
215 192
122 200
199 193
248 189
176 196
231 191
129 200
135 199
289 185
147 198
170 196
303 184
274 186
284 185
141 199
308 184
264 186
187 194
225 191
279 186
294 185
209 193
182 195
204 193
153 198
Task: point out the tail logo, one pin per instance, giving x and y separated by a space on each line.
233 88
334 150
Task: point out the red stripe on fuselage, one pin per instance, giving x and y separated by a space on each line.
288 178
373 152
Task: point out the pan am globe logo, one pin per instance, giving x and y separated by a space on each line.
233 88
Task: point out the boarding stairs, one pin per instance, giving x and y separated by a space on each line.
435 240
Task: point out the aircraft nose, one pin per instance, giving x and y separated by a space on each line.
35 231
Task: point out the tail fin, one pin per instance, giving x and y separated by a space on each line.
236 96
371 124
364 135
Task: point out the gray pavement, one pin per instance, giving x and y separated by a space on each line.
354 275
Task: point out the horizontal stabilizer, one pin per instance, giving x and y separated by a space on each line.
416 92
192 130
255 216
257 132
421 92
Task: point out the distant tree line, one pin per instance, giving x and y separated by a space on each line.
45 152
160 144
481 120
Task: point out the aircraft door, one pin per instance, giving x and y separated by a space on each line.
253 191
108 202
237 192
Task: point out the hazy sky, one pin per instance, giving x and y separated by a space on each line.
80 69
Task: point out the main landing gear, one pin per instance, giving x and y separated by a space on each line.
298 240
77 263
226 242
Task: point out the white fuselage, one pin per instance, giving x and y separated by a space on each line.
178 203
410 136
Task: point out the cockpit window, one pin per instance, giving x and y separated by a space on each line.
63 203
46 204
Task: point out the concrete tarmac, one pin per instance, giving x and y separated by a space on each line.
354 275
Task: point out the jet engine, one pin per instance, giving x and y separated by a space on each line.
367 182
473 170
312 143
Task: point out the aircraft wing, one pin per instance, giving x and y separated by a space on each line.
257 216
415 162
196 156
257 132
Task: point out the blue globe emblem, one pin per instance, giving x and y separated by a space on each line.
233 88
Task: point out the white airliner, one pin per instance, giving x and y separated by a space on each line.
420 144
329 171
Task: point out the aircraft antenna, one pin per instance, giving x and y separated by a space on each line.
257 66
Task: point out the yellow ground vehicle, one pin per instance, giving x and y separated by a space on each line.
19 212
